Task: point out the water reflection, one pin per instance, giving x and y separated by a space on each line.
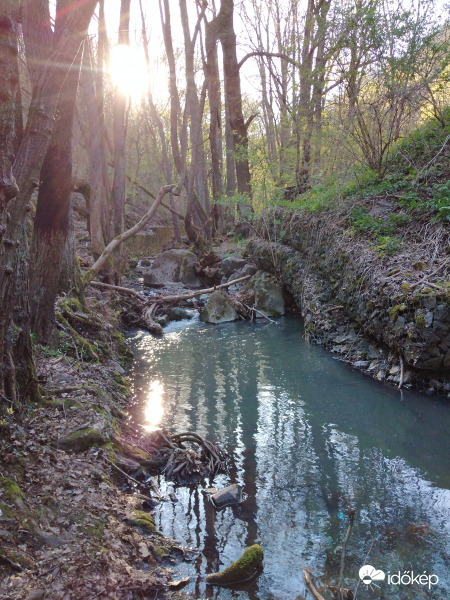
309 438
154 408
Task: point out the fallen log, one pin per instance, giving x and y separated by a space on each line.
199 292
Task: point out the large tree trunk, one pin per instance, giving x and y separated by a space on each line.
160 127
215 126
238 126
96 195
15 349
51 224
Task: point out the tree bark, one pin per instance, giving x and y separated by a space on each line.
16 368
51 223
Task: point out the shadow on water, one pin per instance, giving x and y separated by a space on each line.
308 438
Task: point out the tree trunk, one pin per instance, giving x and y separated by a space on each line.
159 125
215 125
238 126
95 141
15 349
51 224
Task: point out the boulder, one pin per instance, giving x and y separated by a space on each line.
228 496
82 439
175 266
268 294
178 314
241 570
247 269
218 309
232 264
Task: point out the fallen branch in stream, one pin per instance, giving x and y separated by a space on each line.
351 518
189 295
309 581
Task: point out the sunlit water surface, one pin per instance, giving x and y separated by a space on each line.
309 437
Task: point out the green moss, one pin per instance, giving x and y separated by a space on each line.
95 530
406 287
143 520
395 310
6 511
82 439
420 320
11 491
241 570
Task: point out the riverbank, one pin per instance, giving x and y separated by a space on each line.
66 528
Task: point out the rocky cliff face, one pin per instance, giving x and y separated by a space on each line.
388 315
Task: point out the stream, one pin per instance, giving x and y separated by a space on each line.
309 438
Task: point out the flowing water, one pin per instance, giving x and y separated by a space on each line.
309 438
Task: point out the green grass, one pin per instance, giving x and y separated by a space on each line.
418 184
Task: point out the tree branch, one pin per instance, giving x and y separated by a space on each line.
269 55
117 241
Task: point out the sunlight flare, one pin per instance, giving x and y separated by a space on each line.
128 71
154 409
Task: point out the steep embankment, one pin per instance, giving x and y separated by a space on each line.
369 265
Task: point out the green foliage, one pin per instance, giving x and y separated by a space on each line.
389 245
440 200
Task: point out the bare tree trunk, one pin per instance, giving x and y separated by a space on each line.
159 125
51 224
16 367
94 138
238 126
215 125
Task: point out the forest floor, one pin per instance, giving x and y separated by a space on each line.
67 531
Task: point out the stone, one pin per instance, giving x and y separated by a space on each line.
132 263
241 570
143 521
82 439
432 364
228 496
218 309
178 314
231 264
175 266
268 294
428 318
447 360
116 367
361 364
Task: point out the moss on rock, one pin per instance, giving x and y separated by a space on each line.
241 570
82 439
143 520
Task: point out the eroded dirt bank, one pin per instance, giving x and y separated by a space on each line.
387 315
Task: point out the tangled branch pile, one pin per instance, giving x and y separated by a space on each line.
184 464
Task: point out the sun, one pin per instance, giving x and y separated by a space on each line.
128 71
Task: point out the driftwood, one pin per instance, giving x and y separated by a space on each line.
309 581
189 295
117 288
183 464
